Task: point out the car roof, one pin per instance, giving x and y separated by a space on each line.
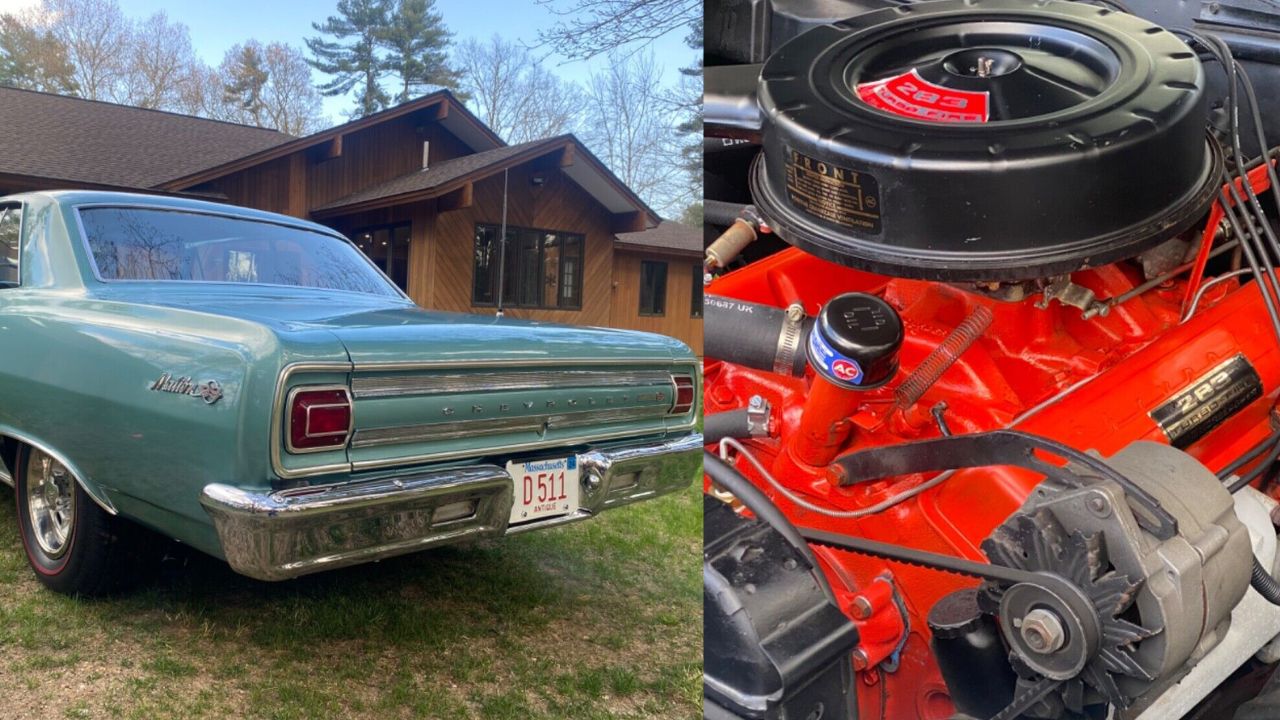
168 202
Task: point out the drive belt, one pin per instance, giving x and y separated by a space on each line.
995 573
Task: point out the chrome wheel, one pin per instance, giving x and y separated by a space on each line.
51 503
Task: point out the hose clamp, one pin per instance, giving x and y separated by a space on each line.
758 414
784 359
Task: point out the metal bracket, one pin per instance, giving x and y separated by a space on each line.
1000 447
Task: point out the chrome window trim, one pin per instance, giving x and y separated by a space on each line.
323 231
351 424
384 387
22 224
277 422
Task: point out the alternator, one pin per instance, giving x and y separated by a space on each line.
1156 604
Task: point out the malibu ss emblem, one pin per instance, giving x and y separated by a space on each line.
210 392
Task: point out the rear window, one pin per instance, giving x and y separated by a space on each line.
147 244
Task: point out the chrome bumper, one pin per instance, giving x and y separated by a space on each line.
280 535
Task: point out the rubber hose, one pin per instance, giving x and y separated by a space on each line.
719 212
750 334
728 478
1266 585
731 423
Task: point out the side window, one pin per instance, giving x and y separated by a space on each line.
10 227
653 287
695 297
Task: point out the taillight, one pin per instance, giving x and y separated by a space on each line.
683 402
319 419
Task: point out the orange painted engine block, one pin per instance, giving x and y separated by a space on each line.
1090 383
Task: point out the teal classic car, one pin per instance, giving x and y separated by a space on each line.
251 385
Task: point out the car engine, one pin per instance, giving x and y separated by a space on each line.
992 329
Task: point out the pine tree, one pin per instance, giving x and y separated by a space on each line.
417 40
33 59
246 77
352 57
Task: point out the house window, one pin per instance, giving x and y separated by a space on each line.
695 296
538 269
653 287
10 227
388 247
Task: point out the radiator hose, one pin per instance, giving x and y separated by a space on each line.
757 336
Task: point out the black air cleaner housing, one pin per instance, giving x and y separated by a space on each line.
971 140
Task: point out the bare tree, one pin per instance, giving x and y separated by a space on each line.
96 35
588 28
160 60
290 100
686 101
631 125
513 93
203 94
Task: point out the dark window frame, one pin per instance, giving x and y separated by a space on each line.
658 308
511 300
695 297
390 227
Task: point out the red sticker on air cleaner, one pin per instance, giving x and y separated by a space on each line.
910 95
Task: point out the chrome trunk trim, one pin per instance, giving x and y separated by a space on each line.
282 385
284 534
426 432
381 387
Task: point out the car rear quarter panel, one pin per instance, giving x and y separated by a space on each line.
77 374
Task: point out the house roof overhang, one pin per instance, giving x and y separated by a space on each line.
574 160
449 112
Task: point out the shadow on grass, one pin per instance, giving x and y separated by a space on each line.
596 619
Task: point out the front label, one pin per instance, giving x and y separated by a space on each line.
1207 402
836 194
910 95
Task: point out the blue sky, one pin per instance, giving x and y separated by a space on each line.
216 26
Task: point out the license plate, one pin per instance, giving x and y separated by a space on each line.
544 489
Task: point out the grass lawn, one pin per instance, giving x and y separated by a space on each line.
600 619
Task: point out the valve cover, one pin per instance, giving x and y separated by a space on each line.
968 140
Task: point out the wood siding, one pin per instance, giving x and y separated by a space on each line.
558 204
306 179
441 254
676 321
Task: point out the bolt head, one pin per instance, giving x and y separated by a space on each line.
1098 505
860 660
1042 631
861 607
